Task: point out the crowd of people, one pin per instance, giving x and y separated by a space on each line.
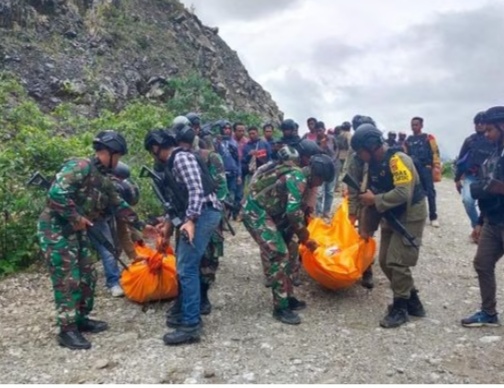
209 172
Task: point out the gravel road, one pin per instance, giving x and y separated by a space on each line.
339 340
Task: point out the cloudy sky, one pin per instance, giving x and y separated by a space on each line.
390 59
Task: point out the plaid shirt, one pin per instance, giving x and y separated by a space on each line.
187 172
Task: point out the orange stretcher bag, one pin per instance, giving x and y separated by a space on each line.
152 277
342 255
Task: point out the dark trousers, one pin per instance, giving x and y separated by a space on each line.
430 191
490 250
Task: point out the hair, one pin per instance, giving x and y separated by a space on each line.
252 128
311 119
236 125
418 119
268 126
320 125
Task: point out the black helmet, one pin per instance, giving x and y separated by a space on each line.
111 140
346 126
121 171
359 120
288 124
322 166
308 148
160 138
221 124
193 118
494 115
479 118
128 191
366 137
185 134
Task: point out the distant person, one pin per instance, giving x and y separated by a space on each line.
422 147
268 134
402 139
241 140
475 150
256 153
312 130
391 139
326 191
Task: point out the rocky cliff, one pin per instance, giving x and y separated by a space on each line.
106 52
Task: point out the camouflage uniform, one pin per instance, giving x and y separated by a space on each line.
272 215
80 189
215 249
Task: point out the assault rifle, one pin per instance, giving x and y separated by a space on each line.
388 215
38 180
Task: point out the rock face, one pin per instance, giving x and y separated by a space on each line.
98 53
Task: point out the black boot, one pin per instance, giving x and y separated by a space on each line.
415 307
205 305
184 334
73 339
397 315
286 316
367 278
92 326
296 304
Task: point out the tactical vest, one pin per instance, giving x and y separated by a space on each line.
480 150
419 149
209 185
381 181
493 206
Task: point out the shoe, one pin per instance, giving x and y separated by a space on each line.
117 291
205 305
415 306
367 279
397 315
296 304
480 319
92 326
73 339
286 316
183 335
434 223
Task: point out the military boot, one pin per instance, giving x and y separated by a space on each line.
184 334
397 315
205 305
73 339
367 278
415 307
286 316
296 304
92 326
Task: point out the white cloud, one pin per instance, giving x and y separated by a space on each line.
391 59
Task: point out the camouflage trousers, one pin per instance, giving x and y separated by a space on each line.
72 272
210 261
275 252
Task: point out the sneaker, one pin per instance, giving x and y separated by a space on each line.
434 223
480 319
117 291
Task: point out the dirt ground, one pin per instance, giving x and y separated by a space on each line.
339 340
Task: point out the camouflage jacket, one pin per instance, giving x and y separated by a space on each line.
83 189
217 171
283 197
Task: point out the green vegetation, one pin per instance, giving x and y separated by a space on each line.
31 140
448 169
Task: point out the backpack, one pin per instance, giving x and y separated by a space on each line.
267 176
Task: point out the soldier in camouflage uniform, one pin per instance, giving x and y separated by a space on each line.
273 214
215 249
80 194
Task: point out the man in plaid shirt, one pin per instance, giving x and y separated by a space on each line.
201 218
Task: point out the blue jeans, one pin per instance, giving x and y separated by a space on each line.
110 266
325 198
468 201
188 264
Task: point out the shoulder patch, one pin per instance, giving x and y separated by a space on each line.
400 173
